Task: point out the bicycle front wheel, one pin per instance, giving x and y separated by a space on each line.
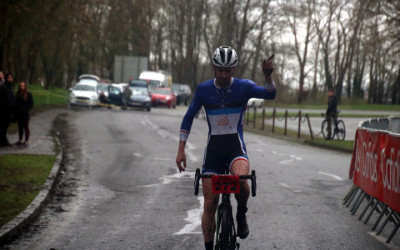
340 130
225 239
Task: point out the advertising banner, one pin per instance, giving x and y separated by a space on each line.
375 165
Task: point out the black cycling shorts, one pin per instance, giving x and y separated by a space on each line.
221 152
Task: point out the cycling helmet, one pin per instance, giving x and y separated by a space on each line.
225 56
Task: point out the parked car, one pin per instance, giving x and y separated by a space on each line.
103 87
140 98
139 83
115 93
89 77
255 102
85 92
163 97
182 92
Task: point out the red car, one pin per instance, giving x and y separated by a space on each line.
163 97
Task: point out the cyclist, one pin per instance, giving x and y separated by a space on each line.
331 111
224 99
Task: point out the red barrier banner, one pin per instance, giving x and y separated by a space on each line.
375 165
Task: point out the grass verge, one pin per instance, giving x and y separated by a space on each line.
21 178
338 145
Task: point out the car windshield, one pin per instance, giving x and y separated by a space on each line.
84 87
138 83
162 91
139 91
154 84
102 87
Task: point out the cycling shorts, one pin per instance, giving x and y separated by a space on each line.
221 152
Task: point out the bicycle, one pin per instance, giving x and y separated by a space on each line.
226 237
339 128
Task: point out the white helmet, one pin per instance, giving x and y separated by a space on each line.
225 56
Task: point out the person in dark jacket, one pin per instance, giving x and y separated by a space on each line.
7 105
331 112
24 102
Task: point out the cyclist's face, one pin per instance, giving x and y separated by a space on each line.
224 75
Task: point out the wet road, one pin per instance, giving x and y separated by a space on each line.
129 195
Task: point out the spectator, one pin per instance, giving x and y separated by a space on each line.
24 102
126 95
7 105
103 98
331 112
1 77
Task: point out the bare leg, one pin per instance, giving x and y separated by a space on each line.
242 167
210 206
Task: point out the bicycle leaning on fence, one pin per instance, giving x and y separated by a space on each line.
225 184
337 127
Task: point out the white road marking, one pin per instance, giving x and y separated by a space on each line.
167 179
276 153
165 134
138 154
284 185
292 158
194 219
331 175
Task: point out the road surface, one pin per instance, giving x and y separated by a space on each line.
121 190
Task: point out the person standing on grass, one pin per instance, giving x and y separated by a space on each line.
24 102
7 105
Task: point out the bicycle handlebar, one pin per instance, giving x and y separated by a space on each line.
251 177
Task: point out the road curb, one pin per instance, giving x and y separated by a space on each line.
13 228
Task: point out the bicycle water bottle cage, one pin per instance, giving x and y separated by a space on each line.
225 184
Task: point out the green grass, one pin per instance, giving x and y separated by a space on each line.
52 96
343 146
363 106
318 114
21 178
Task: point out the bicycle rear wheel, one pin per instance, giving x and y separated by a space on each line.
324 129
340 130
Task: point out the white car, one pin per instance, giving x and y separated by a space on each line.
85 93
255 102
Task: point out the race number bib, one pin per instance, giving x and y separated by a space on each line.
225 184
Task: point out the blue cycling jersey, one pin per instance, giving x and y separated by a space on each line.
225 108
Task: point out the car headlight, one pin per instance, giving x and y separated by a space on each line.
94 97
72 94
168 97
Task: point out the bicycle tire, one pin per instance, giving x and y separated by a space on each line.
324 129
340 130
253 183
196 181
226 229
